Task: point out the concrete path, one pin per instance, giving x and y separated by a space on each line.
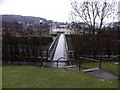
96 72
102 74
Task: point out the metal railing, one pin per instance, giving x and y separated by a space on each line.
53 47
61 61
66 48
99 60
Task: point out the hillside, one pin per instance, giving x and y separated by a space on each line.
24 19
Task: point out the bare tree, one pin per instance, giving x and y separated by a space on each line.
96 14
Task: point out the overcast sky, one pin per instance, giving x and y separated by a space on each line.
57 10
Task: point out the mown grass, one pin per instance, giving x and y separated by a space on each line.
36 77
0 77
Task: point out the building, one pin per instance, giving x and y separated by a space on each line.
79 28
13 28
61 28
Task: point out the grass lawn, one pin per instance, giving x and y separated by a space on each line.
36 77
0 77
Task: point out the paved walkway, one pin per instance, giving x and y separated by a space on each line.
96 73
102 74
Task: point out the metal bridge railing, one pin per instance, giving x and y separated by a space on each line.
61 61
53 47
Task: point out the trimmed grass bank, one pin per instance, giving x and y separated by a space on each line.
36 77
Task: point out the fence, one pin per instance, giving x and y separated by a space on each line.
24 50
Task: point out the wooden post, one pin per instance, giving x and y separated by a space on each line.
46 55
79 64
57 63
41 58
100 62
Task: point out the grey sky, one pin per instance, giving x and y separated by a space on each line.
119 10
57 10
